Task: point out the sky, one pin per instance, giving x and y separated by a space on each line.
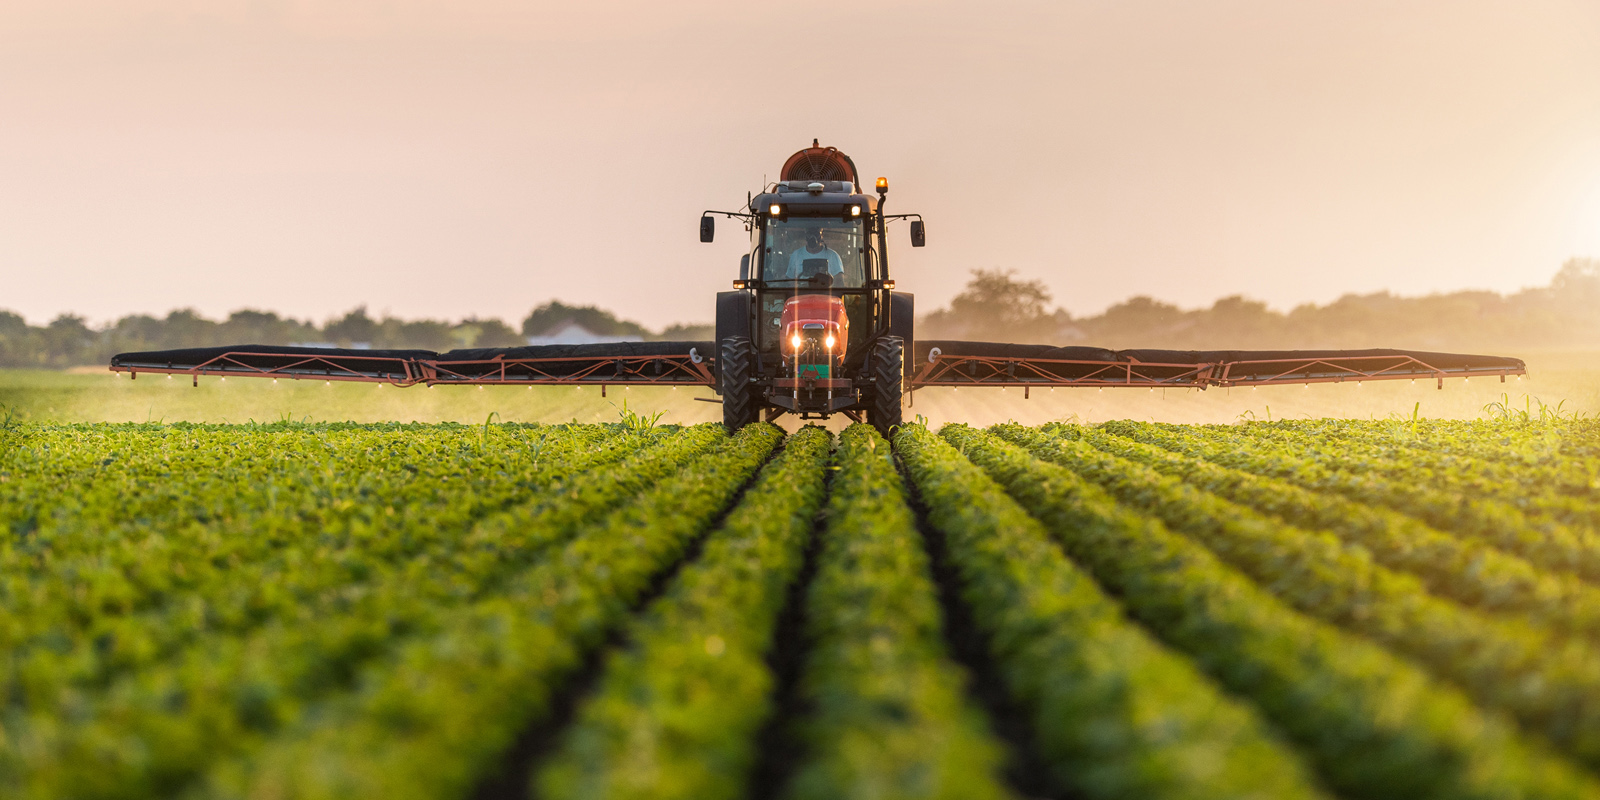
447 160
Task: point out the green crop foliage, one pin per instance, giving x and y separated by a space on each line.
1116 714
1536 456
1550 685
1464 569
1562 493
889 719
1374 725
1396 608
127 599
431 719
188 711
1501 525
679 708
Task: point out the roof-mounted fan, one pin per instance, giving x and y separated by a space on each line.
817 163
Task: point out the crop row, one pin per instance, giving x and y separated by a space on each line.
432 718
1581 438
1547 545
1466 570
1374 725
1531 455
245 570
1257 611
679 708
1550 685
217 697
272 581
887 713
98 533
1557 444
1559 492
1114 713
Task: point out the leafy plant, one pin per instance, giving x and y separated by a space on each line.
1135 720
1375 725
634 421
656 704
1502 410
1558 681
890 717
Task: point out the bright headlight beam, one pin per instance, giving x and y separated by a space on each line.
795 340
829 341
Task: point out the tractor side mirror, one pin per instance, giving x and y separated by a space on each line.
708 228
744 267
919 236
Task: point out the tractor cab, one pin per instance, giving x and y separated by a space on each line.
813 244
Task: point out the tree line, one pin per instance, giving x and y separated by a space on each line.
69 340
996 305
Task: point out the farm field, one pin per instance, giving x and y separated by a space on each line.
1393 608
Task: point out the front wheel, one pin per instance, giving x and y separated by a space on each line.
886 367
735 368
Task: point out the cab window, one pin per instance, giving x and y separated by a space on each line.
798 248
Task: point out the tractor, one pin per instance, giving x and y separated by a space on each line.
813 325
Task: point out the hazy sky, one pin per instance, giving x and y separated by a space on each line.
448 159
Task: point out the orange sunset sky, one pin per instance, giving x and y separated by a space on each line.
452 159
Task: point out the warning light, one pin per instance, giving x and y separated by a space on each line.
883 185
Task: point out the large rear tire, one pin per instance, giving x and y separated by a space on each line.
886 367
735 368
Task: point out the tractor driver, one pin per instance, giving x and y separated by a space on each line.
815 258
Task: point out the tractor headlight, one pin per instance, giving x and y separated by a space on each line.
795 340
829 341
775 210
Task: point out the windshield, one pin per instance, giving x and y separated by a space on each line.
801 249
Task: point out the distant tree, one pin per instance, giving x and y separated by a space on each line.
492 333
548 316
996 306
1141 312
996 300
12 324
422 334
264 327
687 333
1578 283
186 328
353 328
465 334
139 328
1138 322
18 342
69 341
1238 322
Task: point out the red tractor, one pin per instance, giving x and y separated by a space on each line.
813 326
